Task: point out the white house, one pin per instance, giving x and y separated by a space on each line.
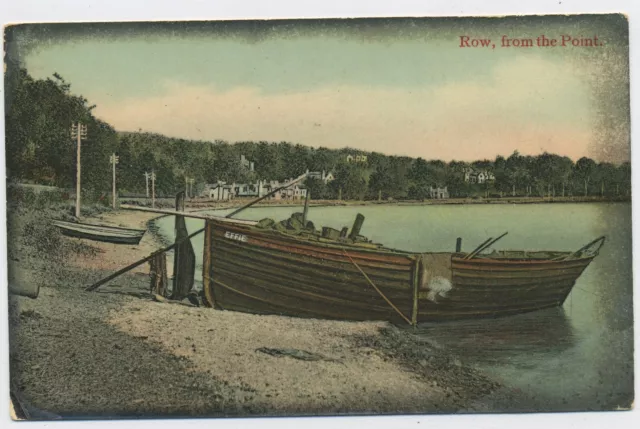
245 189
263 187
478 176
357 158
484 176
295 192
218 191
325 177
438 193
468 172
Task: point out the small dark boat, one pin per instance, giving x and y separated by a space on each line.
250 269
108 234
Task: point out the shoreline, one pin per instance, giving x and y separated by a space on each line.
209 359
198 205
210 204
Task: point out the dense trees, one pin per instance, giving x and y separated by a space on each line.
40 149
39 146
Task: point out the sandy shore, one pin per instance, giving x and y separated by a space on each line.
117 353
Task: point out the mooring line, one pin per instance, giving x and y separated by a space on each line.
376 288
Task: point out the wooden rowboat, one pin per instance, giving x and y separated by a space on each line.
109 234
251 267
268 272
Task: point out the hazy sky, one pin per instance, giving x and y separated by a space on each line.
395 86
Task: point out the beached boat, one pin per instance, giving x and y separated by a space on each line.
109 234
265 271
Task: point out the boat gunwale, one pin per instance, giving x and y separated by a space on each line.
322 254
84 234
91 227
387 251
455 258
274 234
115 239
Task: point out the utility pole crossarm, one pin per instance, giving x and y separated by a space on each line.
79 133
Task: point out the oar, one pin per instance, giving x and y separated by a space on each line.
129 267
479 247
484 246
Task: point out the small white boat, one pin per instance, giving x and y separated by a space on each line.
109 234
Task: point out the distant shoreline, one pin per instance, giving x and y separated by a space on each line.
196 204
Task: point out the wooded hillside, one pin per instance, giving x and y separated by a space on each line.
39 149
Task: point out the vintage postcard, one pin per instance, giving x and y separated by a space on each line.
319 217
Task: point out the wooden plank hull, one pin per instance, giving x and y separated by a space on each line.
102 233
263 272
485 287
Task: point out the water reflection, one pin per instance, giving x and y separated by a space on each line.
516 339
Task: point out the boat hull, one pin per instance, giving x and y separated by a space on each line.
105 234
484 287
251 270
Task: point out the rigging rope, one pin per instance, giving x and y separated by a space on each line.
376 288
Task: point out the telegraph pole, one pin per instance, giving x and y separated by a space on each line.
191 187
153 189
78 132
113 159
147 175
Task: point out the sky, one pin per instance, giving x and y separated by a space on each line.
396 86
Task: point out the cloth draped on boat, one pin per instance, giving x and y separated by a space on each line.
435 275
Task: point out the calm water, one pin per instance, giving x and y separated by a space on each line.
574 358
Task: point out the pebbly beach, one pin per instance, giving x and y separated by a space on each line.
118 352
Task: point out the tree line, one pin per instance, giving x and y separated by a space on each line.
39 149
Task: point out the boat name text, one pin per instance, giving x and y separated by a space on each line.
234 236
